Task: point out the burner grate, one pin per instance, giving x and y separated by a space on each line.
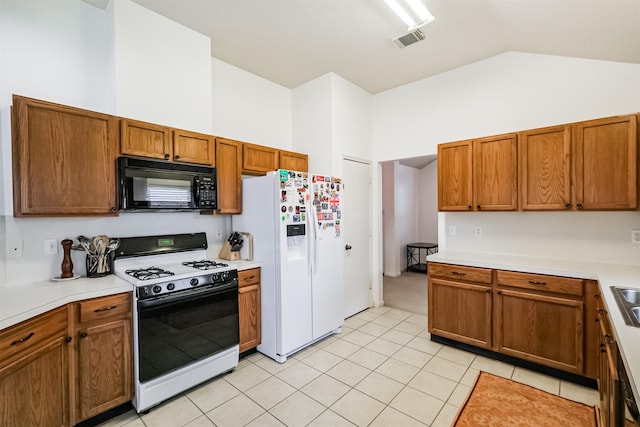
205 264
149 273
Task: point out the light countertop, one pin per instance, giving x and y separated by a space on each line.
607 275
22 302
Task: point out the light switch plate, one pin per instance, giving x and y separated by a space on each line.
635 237
50 247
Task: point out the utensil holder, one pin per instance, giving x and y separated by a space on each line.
92 261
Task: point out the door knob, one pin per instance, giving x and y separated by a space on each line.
347 248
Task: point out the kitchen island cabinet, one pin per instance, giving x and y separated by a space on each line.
63 160
103 356
162 142
34 372
460 304
249 308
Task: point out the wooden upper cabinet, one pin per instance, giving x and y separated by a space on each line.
293 161
455 176
193 147
63 160
545 168
606 163
495 166
145 139
229 173
258 159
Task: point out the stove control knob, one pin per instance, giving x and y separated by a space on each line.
171 287
215 277
157 289
224 275
193 282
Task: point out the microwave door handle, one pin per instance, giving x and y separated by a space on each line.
196 191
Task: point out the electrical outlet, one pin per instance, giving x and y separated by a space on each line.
14 249
452 230
635 237
50 247
478 231
219 234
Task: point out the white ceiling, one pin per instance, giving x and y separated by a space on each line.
291 42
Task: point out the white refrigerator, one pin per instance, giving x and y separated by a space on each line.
296 222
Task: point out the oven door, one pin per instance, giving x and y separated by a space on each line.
175 330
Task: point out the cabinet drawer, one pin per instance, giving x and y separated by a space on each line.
113 306
458 272
23 337
248 277
539 282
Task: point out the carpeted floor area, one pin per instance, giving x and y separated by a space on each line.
406 292
500 402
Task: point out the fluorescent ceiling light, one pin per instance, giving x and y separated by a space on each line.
419 16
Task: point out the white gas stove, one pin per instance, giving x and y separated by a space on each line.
186 328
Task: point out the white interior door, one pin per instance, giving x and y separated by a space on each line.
357 235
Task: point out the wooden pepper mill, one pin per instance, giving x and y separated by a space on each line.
67 264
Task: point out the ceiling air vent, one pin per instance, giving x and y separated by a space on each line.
410 38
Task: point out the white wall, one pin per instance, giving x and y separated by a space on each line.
389 266
428 203
312 127
249 108
510 92
163 70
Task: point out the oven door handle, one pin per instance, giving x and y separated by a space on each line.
186 296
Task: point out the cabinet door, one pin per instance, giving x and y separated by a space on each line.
293 161
105 365
544 157
606 163
34 391
496 173
63 160
257 159
145 139
249 308
455 176
193 147
540 328
228 170
460 311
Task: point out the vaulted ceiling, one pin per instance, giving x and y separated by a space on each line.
293 41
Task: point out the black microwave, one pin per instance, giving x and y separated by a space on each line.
145 185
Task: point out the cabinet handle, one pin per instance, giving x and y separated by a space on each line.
470 207
68 340
499 292
84 335
535 282
250 277
601 311
176 157
579 205
21 340
457 273
113 209
100 310
166 156
488 291
567 205
479 207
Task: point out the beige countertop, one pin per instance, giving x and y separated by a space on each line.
24 301
607 275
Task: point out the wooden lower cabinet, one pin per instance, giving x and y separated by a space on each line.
68 364
34 372
611 406
532 317
460 311
249 308
104 361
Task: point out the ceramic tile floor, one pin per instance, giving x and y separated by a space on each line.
382 370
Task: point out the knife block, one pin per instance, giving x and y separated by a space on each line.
227 253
